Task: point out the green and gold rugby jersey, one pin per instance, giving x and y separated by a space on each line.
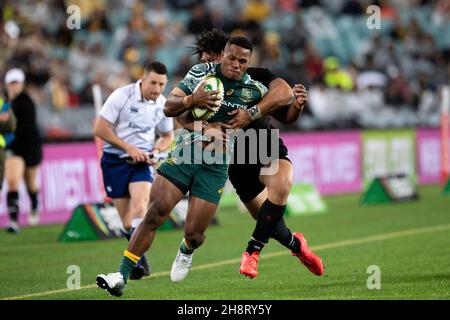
241 94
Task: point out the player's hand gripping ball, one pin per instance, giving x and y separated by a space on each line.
210 83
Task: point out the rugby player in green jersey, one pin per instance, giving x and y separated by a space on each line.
204 181
264 195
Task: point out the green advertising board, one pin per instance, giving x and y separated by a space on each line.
391 188
92 221
388 152
304 199
229 200
99 221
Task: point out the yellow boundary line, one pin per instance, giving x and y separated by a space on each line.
332 245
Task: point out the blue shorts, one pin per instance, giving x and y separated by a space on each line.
118 173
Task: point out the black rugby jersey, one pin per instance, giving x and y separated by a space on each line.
27 131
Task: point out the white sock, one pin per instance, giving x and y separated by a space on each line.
136 222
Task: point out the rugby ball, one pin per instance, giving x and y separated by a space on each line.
211 83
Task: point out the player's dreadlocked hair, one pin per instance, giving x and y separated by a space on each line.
212 41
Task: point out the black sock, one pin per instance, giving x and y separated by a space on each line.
284 236
142 261
126 233
254 245
12 200
269 216
34 200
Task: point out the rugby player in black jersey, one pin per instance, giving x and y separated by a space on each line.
24 153
265 196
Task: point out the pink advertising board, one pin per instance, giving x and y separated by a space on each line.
428 155
330 161
72 176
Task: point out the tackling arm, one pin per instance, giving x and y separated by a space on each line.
279 95
289 114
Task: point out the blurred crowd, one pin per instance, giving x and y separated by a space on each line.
357 76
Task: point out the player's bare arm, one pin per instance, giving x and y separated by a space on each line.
291 113
104 130
280 94
178 102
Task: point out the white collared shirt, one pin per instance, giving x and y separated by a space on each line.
134 119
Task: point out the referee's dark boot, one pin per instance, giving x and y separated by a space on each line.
142 269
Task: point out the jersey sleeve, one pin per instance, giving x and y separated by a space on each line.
194 76
263 75
111 108
262 88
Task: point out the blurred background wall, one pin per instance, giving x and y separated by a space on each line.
357 77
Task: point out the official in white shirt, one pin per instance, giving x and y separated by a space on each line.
127 124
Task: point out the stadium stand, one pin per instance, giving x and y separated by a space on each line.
410 53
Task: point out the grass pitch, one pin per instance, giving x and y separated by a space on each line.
409 242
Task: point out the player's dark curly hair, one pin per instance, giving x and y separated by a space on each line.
212 41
